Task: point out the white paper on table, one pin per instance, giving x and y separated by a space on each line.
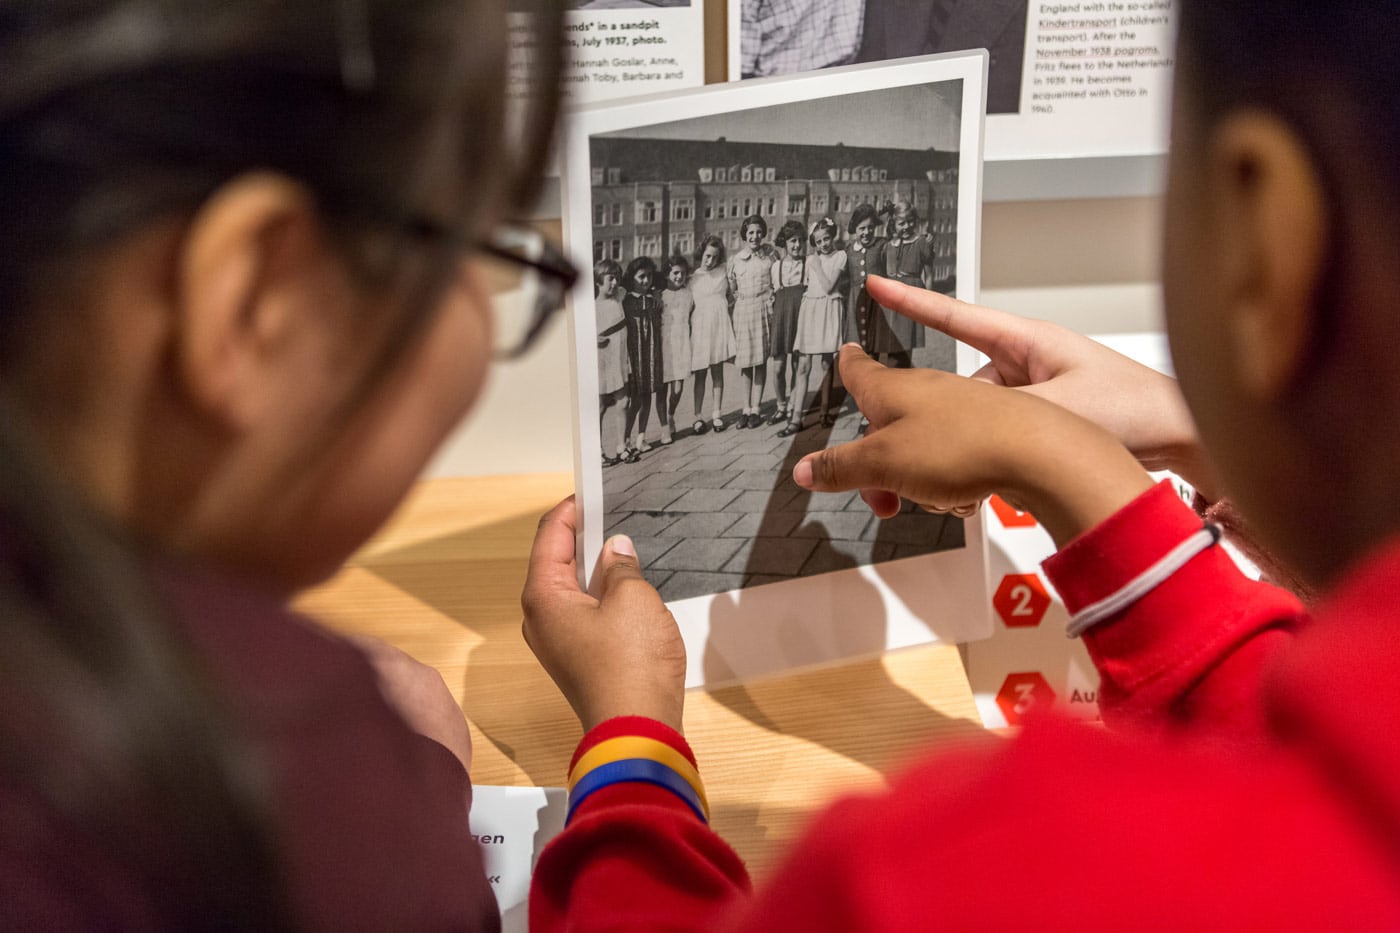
512 825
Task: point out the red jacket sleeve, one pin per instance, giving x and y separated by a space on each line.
635 857
1194 648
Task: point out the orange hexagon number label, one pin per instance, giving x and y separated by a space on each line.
1010 516
1021 600
1022 693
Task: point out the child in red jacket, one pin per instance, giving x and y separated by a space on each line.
1252 778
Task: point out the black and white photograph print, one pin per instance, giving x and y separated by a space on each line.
789 36
730 254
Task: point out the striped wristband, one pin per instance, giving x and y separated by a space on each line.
638 770
634 758
1143 583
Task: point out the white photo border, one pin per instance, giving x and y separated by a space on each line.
936 597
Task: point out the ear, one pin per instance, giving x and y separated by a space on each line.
1272 234
252 261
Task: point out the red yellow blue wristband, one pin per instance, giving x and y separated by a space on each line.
636 739
642 770
623 747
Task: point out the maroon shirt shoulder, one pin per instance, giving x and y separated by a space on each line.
373 817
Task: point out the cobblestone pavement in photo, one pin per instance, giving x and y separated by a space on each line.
713 512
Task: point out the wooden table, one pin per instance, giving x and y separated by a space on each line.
443 581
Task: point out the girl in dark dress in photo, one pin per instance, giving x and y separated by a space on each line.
789 282
908 258
864 256
642 307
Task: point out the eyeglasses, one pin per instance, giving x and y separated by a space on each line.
527 277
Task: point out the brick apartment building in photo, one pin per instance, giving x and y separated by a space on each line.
656 197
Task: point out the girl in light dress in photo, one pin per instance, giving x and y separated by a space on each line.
641 305
789 274
677 303
613 371
819 322
711 334
909 259
751 285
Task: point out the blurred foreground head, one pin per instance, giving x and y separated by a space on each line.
134 136
1280 272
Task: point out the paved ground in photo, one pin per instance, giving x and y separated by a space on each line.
714 512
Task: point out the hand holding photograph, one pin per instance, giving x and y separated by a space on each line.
731 233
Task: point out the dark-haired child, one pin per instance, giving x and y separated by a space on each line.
864 256
641 305
789 275
243 299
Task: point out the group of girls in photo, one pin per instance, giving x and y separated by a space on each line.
793 302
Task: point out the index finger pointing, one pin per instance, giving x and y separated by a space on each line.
985 329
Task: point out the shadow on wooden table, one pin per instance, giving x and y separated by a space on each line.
856 710
523 729
510 701
773 751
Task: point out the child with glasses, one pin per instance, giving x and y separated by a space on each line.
244 296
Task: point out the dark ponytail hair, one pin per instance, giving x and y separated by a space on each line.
116 113
107 722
